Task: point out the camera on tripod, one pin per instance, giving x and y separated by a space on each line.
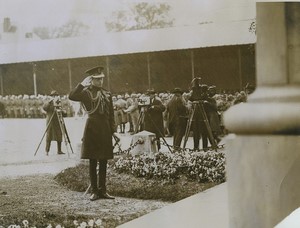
57 103
144 101
199 94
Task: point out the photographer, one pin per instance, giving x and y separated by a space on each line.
54 132
199 96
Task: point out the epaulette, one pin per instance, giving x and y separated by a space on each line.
106 90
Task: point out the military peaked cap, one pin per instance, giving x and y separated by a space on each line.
96 72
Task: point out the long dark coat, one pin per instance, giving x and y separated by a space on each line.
178 115
100 125
153 120
54 132
213 116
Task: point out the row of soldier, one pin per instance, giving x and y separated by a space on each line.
25 106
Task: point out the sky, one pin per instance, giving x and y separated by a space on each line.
32 13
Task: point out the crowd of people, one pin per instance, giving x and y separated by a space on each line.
31 106
177 103
169 116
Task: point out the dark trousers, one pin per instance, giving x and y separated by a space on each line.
199 130
179 131
99 184
48 144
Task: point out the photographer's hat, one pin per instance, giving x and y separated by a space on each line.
150 91
177 90
54 93
96 72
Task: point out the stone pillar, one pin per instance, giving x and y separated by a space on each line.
263 159
146 143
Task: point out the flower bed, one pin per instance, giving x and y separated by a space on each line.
201 166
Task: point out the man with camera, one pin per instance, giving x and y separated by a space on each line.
199 97
54 132
97 143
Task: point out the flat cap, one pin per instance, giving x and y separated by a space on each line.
54 93
177 90
150 91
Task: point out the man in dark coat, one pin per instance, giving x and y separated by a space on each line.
153 120
2 109
178 114
100 126
212 114
54 132
199 97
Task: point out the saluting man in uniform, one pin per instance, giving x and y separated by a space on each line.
100 126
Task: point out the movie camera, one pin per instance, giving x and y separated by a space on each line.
57 102
144 101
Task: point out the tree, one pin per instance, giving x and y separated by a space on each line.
252 27
70 29
140 16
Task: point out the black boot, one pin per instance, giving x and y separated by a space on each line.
102 180
104 195
93 178
95 195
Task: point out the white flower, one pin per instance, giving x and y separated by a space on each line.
25 223
58 226
98 222
75 222
83 225
91 223
49 226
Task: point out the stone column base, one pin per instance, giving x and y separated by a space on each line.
263 173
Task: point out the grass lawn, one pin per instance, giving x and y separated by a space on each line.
48 199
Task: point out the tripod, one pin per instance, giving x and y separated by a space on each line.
199 105
141 124
58 113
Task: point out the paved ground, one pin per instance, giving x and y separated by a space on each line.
20 139
208 209
23 150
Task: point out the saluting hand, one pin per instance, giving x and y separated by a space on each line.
87 81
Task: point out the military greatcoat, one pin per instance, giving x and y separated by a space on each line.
100 125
